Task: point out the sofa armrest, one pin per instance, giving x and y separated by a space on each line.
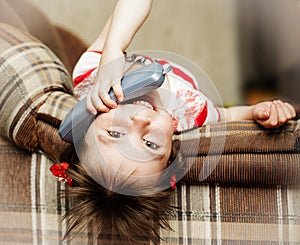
242 153
36 90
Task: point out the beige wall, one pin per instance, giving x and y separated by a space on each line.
203 31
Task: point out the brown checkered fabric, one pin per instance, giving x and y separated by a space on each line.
232 214
36 91
209 213
243 153
30 211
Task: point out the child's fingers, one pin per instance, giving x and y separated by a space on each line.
282 114
291 109
107 101
279 113
288 109
261 112
94 103
117 88
89 105
273 119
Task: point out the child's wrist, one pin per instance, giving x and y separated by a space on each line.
114 47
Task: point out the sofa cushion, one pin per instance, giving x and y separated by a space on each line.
243 153
36 89
208 213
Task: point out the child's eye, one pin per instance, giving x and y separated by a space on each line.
115 134
151 145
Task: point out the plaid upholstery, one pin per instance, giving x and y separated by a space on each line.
230 137
210 213
243 153
251 194
29 204
27 17
220 214
35 89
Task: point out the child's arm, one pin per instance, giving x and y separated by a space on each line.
128 16
268 114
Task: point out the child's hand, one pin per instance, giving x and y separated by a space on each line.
109 76
273 114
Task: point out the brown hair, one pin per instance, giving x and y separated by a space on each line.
127 218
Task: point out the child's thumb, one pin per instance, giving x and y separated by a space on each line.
261 114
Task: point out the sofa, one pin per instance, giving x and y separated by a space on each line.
242 186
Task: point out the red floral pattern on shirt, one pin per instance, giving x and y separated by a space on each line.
84 86
190 110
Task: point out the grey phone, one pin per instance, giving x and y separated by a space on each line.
135 84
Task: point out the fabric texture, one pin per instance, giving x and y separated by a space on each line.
210 212
260 156
42 93
25 16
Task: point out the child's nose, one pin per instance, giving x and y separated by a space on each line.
141 119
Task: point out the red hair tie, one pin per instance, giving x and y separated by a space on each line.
59 171
173 181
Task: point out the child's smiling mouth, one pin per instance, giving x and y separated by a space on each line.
145 101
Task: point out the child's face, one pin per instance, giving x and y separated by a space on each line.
134 138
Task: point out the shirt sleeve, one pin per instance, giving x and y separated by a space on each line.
88 62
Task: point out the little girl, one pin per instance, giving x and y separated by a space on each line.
127 157
135 137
